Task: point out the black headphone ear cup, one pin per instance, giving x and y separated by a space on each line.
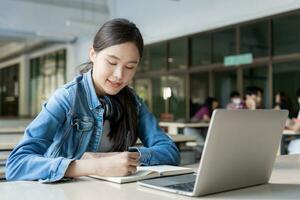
112 109
104 105
108 111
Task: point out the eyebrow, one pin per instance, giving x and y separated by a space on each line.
115 57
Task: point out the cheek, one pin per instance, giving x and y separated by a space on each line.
130 75
101 70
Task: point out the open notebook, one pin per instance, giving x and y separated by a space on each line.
147 172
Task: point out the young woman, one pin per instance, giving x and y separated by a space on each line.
205 112
90 125
283 101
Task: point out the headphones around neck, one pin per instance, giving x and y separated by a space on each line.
112 108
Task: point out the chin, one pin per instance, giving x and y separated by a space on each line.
112 91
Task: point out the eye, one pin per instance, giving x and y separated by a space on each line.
111 63
129 67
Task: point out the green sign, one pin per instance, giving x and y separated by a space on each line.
241 59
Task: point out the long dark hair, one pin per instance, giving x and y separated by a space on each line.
124 132
209 103
286 103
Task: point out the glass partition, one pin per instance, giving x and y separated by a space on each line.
158 56
254 39
258 76
286 31
225 83
286 78
224 44
178 54
201 49
198 91
47 73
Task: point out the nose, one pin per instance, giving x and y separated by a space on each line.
118 72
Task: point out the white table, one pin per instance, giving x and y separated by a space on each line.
174 126
284 184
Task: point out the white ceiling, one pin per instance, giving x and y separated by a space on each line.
87 5
51 20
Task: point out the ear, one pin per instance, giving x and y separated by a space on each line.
92 54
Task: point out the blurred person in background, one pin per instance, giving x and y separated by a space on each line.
253 98
236 102
294 124
202 115
206 110
283 102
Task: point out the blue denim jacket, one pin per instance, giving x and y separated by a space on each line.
71 123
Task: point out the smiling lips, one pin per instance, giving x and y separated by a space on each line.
114 84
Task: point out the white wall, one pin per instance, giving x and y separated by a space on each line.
165 19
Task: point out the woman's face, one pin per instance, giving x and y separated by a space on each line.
114 67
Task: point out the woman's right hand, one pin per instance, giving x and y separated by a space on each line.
120 164
104 164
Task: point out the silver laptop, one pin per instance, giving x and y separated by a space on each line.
240 150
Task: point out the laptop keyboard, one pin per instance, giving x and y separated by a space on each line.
183 186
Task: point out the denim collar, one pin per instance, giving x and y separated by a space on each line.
92 98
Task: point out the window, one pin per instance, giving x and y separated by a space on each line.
286 78
254 39
198 91
202 54
178 52
61 68
158 56
47 73
142 88
286 31
159 104
177 100
225 83
9 91
258 77
144 62
35 88
176 104
224 44
201 50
